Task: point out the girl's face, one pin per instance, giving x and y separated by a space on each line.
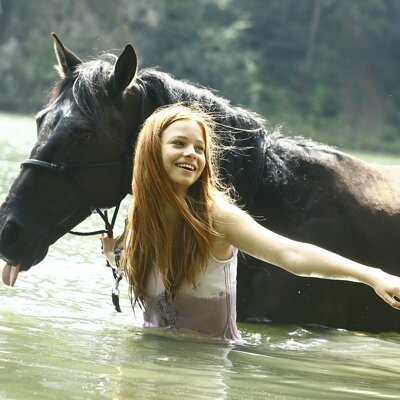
183 153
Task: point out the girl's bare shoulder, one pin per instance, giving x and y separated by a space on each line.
221 208
225 213
221 248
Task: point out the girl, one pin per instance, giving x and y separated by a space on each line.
183 231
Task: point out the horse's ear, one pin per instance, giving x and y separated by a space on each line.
67 60
125 69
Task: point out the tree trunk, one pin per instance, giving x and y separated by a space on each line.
312 37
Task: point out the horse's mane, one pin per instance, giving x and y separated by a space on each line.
88 85
163 87
261 152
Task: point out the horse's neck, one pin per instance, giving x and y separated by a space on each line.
161 89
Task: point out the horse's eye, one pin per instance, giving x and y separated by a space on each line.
86 137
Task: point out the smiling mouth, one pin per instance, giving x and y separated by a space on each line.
186 167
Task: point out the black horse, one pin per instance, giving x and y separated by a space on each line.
306 191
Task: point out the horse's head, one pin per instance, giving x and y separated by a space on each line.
79 161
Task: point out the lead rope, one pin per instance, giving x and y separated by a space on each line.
109 230
117 273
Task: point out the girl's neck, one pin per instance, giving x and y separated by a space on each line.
170 213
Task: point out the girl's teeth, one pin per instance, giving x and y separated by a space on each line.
186 166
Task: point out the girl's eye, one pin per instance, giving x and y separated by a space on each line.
200 150
178 143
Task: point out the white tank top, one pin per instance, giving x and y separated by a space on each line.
209 308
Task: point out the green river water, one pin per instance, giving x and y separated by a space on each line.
60 337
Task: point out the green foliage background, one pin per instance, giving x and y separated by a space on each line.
325 69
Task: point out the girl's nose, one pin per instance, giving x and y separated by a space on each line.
190 153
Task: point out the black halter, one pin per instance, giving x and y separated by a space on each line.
68 170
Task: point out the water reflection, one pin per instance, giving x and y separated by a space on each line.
60 337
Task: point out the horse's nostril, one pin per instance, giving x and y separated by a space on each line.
10 234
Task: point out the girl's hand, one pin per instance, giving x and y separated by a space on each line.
387 286
108 248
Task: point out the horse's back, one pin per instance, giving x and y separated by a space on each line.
376 187
338 202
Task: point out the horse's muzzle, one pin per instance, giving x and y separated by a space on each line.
10 239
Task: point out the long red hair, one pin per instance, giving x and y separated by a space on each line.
181 253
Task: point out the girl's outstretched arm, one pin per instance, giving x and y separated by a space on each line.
302 259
